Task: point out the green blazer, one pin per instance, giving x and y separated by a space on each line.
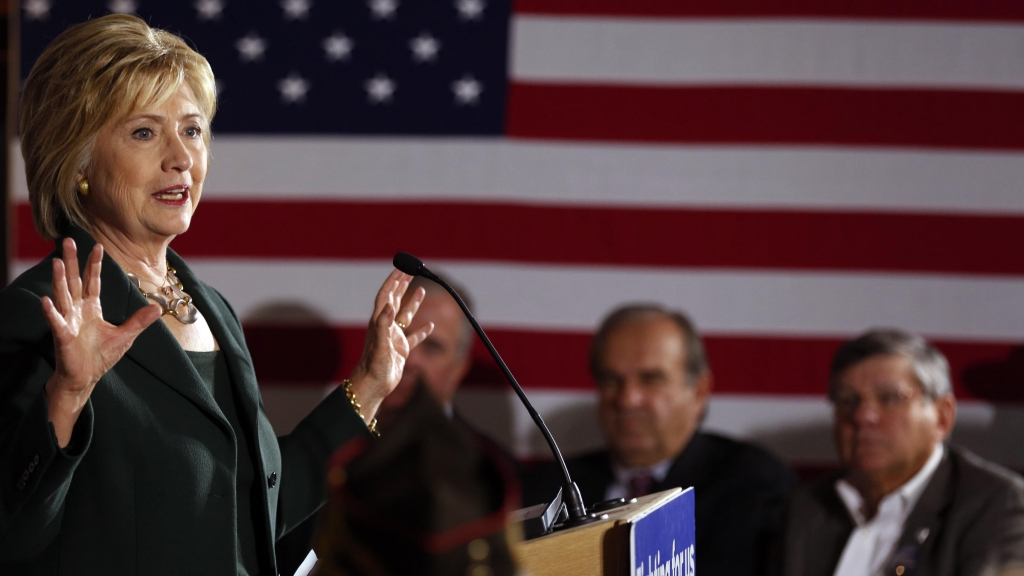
147 484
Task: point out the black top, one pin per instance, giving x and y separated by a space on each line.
213 369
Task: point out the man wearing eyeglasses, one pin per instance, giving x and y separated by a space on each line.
905 503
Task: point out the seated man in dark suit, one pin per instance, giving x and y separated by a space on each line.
904 503
653 384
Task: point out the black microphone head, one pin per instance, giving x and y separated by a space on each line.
408 263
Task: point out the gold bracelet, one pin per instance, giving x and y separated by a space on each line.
359 409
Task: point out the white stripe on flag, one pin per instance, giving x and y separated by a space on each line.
797 428
721 302
492 170
766 52
548 297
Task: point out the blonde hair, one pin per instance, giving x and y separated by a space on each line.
94 72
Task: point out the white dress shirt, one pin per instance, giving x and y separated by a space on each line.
871 544
620 487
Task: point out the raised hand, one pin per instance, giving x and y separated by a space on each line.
387 343
86 346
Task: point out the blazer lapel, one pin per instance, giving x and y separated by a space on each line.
921 529
692 467
817 530
155 349
830 534
262 442
243 377
235 354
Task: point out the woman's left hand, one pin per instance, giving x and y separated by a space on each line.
388 344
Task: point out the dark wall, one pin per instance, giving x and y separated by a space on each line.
10 55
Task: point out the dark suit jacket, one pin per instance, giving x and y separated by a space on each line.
740 494
147 484
969 520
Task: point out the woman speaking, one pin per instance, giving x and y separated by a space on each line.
132 435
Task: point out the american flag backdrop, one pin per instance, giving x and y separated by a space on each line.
790 172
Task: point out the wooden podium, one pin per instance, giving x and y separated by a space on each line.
601 548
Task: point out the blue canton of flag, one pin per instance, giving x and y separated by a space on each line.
355 67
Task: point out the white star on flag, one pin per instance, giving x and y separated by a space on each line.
219 86
337 47
383 9
424 47
37 9
122 6
209 9
380 89
293 88
467 90
251 47
296 9
470 9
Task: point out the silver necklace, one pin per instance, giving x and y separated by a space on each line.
171 297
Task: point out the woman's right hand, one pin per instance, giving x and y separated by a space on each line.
86 346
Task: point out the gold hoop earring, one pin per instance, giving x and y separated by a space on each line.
83 187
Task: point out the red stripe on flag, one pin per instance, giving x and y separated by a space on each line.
767 115
743 239
558 360
997 10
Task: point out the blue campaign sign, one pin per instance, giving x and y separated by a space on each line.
663 542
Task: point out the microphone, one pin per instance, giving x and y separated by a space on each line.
577 512
411 265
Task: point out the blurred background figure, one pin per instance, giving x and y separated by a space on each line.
437 366
425 500
905 502
442 361
653 383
